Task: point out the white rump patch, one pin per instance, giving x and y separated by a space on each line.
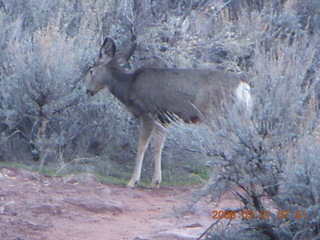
243 96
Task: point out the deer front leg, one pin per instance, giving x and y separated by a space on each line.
159 139
147 127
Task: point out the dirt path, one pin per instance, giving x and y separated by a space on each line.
33 207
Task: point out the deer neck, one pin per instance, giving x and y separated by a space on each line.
120 85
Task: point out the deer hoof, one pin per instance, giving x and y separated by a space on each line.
155 184
132 183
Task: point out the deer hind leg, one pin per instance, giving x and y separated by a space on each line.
147 128
159 139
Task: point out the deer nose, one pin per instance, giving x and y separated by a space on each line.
89 92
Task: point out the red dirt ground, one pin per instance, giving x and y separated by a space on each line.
34 207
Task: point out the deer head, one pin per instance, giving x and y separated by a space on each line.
110 63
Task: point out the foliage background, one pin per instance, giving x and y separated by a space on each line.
47 121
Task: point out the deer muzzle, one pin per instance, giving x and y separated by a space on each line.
90 92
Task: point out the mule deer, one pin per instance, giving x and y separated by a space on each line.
158 96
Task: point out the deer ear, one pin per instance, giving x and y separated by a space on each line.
107 50
123 56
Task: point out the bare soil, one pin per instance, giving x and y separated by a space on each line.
78 207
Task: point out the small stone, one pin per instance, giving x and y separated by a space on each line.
10 208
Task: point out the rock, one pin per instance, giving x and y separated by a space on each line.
173 236
103 191
6 173
52 209
10 208
190 232
27 175
95 205
194 225
8 193
84 178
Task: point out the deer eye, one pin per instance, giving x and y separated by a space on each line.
91 71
